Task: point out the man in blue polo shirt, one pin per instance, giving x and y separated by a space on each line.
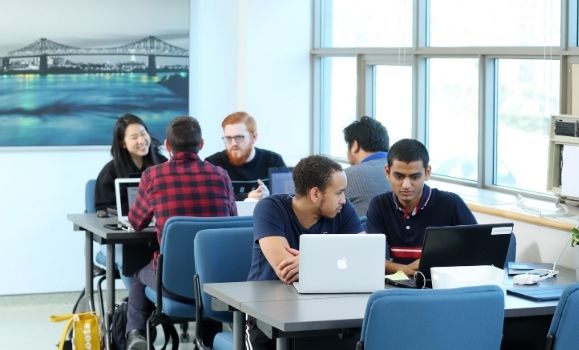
404 213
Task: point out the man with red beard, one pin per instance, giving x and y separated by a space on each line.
247 166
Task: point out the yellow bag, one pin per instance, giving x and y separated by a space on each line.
85 330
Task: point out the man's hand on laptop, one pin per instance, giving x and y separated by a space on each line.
409 270
288 269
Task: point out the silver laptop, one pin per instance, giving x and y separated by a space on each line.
245 208
126 190
341 263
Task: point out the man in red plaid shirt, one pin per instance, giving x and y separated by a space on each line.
184 186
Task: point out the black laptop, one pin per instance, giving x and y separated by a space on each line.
462 245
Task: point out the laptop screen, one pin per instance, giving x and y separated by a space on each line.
126 193
465 245
281 181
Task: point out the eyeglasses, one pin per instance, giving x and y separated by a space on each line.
230 139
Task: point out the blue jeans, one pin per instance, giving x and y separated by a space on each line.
140 307
127 280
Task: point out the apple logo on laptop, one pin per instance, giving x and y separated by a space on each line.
342 263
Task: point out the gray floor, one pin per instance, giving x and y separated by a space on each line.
25 324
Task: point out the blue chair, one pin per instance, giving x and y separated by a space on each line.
459 318
176 268
221 255
564 331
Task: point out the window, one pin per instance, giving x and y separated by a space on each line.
476 81
367 23
338 102
393 100
494 23
528 93
453 117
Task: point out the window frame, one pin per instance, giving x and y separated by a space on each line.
418 55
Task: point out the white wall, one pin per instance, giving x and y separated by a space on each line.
248 54
40 251
253 55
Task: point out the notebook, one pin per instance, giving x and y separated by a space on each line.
281 181
538 293
462 245
341 263
125 195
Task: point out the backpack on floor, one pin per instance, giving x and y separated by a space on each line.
119 325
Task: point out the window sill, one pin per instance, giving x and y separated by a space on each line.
494 203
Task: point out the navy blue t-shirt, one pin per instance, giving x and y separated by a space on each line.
405 231
274 216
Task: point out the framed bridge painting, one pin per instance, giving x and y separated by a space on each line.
70 68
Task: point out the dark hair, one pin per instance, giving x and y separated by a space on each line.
314 171
408 150
370 134
184 135
121 157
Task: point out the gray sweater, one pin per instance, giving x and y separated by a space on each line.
365 181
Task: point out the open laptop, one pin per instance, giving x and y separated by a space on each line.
245 208
281 181
126 190
462 245
341 263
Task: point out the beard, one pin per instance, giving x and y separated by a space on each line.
239 159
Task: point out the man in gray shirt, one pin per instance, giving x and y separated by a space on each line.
368 145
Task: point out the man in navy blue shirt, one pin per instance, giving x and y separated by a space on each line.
319 206
404 213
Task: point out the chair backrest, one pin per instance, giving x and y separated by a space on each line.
177 249
364 222
564 330
459 318
222 255
89 189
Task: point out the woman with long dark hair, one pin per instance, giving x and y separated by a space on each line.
133 150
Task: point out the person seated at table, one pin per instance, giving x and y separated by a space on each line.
368 144
247 166
133 150
160 195
319 206
403 213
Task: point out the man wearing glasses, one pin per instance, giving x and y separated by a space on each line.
247 166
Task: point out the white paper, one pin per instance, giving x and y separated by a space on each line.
570 171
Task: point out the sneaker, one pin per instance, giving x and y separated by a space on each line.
136 340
